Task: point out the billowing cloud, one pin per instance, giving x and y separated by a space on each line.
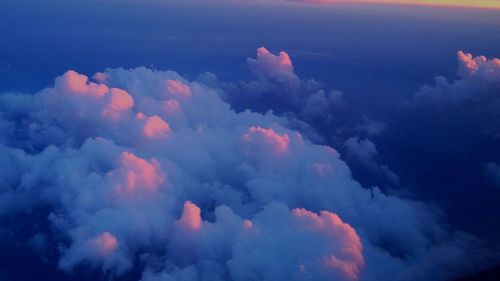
445 141
275 68
364 152
145 171
335 250
474 96
267 138
100 250
478 76
278 88
362 149
479 67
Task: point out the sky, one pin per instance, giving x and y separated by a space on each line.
495 4
249 140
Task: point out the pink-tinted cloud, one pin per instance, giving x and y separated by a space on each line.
105 243
349 261
277 68
268 138
171 106
136 176
154 126
478 75
100 249
335 251
479 67
73 91
120 101
76 83
176 87
191 218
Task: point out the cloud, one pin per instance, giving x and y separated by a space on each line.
479 67
364 152
267 139
278 68
335 250
101 250
321 115
256 251
145 171
362 149
320 104
473 96
276 87
478 76
441 141
304 103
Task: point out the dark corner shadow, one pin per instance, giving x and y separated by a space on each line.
491 274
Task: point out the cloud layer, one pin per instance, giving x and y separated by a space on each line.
143 170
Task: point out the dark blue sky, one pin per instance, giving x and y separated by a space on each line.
357 49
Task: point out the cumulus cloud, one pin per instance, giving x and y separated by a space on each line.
275 68
100 250
321 115
479 67
321 105
442 140
278 88
364 152
362 149
146 171
334 252
477 77
471 102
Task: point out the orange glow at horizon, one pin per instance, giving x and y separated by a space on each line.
494 4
